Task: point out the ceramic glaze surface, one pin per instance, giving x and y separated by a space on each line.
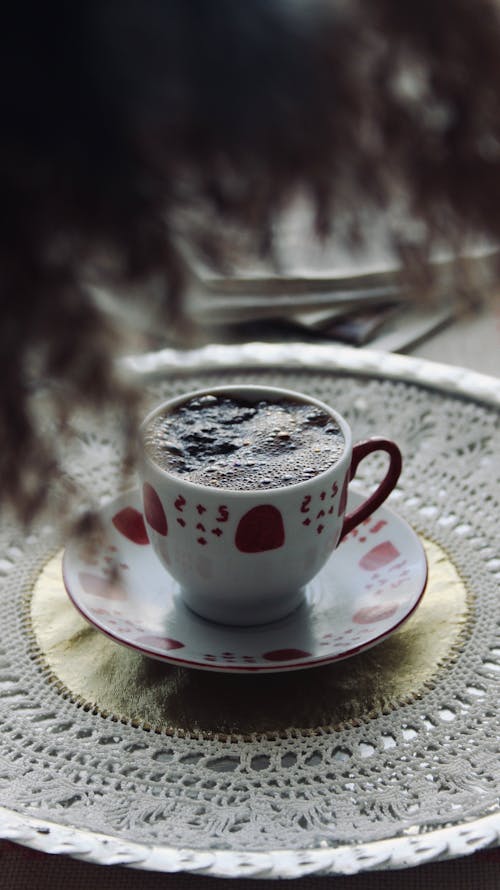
243 556
371 584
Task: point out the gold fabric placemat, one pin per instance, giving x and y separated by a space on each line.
121 684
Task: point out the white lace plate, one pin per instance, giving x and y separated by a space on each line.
369 588
401 787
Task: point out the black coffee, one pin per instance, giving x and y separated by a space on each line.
227 442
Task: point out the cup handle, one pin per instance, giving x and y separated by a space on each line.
359 452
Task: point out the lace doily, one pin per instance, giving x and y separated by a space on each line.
403 787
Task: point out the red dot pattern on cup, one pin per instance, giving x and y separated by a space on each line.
201 522
316 511
130 523
260 529
222 513
153 509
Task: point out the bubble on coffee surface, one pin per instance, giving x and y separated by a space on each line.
226 442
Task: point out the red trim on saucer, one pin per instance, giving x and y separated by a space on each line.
252 669
230 667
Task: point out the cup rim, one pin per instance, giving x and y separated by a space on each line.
233 389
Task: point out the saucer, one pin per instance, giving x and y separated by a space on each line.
370 586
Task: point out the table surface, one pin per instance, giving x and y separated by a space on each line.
474 343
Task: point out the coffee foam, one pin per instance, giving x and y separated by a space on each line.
229 443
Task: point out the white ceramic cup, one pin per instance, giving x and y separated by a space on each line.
244 557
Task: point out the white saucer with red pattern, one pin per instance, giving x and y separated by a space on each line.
371 585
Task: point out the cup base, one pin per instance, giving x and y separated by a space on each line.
241 614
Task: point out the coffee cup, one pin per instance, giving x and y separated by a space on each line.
243 509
